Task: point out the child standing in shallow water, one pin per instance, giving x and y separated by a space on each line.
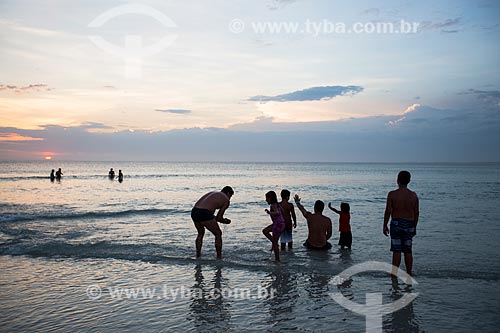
278 222
289 215
345 239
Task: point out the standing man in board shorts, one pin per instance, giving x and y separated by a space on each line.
203 217
402 206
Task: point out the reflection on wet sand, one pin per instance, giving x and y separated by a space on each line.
209 312
403 320
282 306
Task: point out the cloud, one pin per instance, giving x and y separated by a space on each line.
12 137
371 11
29 30
487 96
92 125
443 25
175 111
311 94
422 134
24 89
278 4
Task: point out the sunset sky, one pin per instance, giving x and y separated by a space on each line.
177 78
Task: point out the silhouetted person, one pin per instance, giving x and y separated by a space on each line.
52 176
111 174
289 215
120 176
319 226
59 174
402 206
274 230
345 238
203 217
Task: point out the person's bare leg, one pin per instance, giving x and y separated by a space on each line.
290 245
214 228
409 263
199 239
275 239
283 246
396 261
267 232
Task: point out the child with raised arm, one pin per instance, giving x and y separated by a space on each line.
345 239
289 215
278 222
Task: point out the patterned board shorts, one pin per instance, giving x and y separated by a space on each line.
286 236
402 232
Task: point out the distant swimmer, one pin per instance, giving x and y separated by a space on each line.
402 209
319 226
203 217
59 174
52 176
111 174
120 176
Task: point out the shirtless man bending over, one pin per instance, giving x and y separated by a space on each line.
203 217
402 206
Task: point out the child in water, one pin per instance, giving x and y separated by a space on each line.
345 239
289 215
278 222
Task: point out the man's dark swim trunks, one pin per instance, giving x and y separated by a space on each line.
402 232
327 246
201 215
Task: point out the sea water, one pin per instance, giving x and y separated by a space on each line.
88 253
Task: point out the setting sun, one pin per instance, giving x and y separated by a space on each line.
48 158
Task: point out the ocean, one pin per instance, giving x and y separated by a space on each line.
89 254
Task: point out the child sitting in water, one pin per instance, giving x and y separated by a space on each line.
345 239
289 215
278 222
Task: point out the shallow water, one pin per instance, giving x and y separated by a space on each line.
57 239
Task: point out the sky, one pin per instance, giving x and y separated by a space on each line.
263 80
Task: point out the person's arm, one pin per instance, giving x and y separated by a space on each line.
220 214
304 212
294 217
329 230
416 213
387 214
272 212
335 210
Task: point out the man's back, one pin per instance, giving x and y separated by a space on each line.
212 201
319 227
404 204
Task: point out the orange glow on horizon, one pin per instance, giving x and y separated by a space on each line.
48 158
17 137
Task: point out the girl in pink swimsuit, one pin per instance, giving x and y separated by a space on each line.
278 222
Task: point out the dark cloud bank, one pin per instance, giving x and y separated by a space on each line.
424 134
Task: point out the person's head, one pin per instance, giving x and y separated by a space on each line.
59 169
344 207
111 169
404 178
271 197
285 195
228 190
319 206
119 171
53 170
